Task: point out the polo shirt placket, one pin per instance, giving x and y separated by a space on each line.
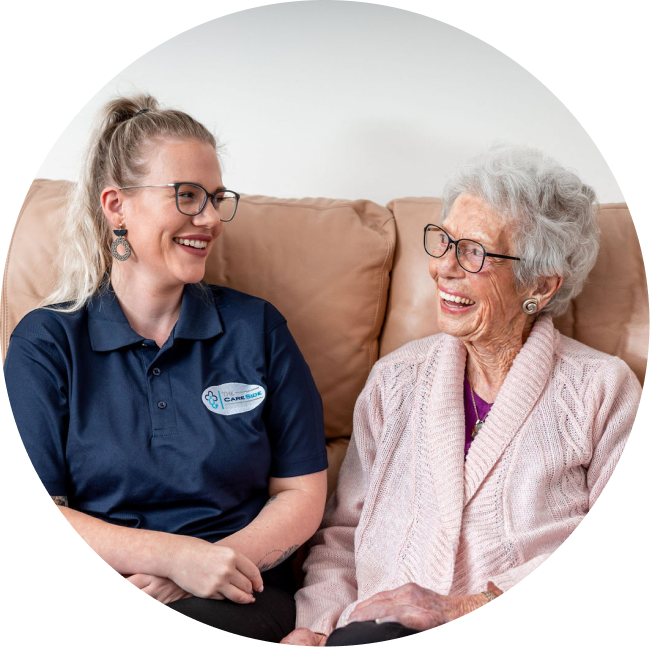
161 404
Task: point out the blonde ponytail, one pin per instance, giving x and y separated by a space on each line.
114 156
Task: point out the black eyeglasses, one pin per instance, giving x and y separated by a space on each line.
191 199
469 254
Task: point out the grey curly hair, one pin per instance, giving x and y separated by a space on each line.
554 215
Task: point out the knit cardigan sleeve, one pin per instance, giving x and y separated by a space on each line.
512 576
330 582
613 397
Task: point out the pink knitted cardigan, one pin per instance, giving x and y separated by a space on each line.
408 508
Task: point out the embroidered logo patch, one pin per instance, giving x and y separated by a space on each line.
233 397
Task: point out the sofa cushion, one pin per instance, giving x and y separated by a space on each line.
610 314
28 276
324 264
411 312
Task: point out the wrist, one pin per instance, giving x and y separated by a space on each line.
174 548
468 603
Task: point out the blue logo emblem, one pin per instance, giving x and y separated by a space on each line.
212 400
233 398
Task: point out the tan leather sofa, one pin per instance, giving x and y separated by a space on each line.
351 278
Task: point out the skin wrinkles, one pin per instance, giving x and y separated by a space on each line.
417 607
495 328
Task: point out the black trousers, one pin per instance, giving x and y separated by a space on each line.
362 633
271 617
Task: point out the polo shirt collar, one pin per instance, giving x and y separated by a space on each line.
199 318
109 328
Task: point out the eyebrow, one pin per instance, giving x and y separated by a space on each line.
476 239
217 190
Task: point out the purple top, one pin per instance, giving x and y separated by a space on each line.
470 416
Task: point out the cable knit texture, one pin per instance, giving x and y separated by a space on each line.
409 508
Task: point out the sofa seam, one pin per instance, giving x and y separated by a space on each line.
390 247
347 204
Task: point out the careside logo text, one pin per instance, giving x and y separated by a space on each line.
233 397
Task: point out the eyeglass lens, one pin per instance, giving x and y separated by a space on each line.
469 253
191 200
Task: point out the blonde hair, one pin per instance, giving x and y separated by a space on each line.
115 155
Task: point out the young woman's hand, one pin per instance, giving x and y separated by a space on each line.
211 571
160 588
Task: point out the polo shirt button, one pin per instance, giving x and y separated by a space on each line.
162 405
156 371
144 343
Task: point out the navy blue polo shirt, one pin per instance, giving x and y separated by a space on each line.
181 439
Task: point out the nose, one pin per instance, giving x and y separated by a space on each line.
209 217
447 266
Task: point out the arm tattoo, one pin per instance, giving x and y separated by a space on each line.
61 500
273 498
267 563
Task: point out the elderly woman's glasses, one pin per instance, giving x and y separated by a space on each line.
191 199
470 254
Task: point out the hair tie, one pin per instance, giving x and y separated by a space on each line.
141 112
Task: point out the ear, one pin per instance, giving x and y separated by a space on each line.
546 288
112 203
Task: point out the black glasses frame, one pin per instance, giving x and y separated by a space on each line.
455 244
211 196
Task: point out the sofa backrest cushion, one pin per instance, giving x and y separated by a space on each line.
610 314
29 276
325 264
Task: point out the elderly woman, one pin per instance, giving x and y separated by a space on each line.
477 451
175 424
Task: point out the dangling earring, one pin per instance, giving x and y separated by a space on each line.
120 240
529 306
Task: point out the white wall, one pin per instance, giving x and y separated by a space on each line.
345 100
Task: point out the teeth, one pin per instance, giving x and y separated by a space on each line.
456 299
189 242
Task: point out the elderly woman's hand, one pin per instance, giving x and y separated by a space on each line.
418 608
304 636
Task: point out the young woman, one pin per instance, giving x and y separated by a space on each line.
176 424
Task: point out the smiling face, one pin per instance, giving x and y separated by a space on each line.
485 307
168 248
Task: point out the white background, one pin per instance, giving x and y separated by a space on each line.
345 100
